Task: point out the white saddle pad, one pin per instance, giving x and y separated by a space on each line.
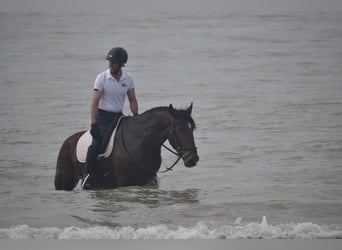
85 141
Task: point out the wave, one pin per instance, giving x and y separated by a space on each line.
201 230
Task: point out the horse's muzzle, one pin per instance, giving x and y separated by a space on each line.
190 159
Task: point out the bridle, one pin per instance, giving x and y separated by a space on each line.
179 149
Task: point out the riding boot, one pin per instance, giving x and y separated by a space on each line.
89 168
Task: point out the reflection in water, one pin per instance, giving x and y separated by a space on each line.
148 196
136 206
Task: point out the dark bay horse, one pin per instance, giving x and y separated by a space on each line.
136 156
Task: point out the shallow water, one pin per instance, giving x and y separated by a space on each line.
267 102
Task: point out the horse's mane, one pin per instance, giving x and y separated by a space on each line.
177 114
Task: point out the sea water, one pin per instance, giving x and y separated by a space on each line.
266 89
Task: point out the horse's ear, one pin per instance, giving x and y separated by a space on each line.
171 109
189 109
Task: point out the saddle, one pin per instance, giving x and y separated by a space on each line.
106 148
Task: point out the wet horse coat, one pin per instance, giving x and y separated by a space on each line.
136 156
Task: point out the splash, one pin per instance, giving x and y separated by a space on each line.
201 230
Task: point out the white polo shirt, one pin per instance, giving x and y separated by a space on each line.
113 92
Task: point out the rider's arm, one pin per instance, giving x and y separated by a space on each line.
133 102
95 99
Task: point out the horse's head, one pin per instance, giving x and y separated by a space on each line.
181 135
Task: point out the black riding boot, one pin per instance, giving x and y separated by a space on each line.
98 131
87 182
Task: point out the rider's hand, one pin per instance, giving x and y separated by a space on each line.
95 131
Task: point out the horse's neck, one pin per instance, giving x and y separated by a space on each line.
156 127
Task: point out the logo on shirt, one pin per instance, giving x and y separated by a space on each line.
125 85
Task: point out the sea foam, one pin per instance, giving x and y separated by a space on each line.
200 230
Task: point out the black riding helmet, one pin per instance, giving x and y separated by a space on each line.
117 54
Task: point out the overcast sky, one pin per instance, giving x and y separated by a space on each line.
146 5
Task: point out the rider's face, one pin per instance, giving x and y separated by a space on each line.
114 67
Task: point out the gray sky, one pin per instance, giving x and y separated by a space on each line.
106 6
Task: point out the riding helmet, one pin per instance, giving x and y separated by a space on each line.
117 54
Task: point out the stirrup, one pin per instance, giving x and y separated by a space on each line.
101 156
85 184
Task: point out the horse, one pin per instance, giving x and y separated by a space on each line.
136 155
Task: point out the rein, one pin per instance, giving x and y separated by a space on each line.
174 164
178 153
130 155
142 165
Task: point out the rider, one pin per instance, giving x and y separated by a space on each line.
110 90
